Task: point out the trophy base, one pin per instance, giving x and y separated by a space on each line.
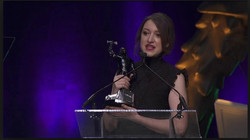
123 96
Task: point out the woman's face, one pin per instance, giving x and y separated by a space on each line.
150 39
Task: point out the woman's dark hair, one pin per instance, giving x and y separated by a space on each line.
166 28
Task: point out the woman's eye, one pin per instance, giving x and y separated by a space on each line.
158 35
145 33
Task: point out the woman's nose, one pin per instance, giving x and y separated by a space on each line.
151 38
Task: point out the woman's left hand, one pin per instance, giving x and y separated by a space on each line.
126 115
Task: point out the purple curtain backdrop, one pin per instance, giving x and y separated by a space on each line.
59 58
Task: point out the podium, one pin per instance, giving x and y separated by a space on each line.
91 124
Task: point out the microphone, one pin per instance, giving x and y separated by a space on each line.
92 97
143 55
181 98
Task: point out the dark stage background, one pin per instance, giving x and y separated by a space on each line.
60 57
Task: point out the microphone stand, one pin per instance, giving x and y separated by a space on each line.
95 119
181 98
179 116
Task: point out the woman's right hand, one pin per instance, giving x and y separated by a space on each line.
122 83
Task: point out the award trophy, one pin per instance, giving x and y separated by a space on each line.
125 65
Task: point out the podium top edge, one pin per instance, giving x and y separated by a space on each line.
132 110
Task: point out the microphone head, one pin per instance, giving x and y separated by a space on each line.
143 54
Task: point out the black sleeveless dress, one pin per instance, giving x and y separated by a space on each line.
150 92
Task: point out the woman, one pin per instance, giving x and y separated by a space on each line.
155 37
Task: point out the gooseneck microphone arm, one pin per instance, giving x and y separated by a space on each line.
181 98
92 97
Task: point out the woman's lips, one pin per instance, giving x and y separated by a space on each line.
150 47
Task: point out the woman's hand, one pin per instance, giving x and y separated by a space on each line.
122 83
126 115
110 118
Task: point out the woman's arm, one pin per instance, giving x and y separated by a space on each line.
179 124
157 125
110 122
